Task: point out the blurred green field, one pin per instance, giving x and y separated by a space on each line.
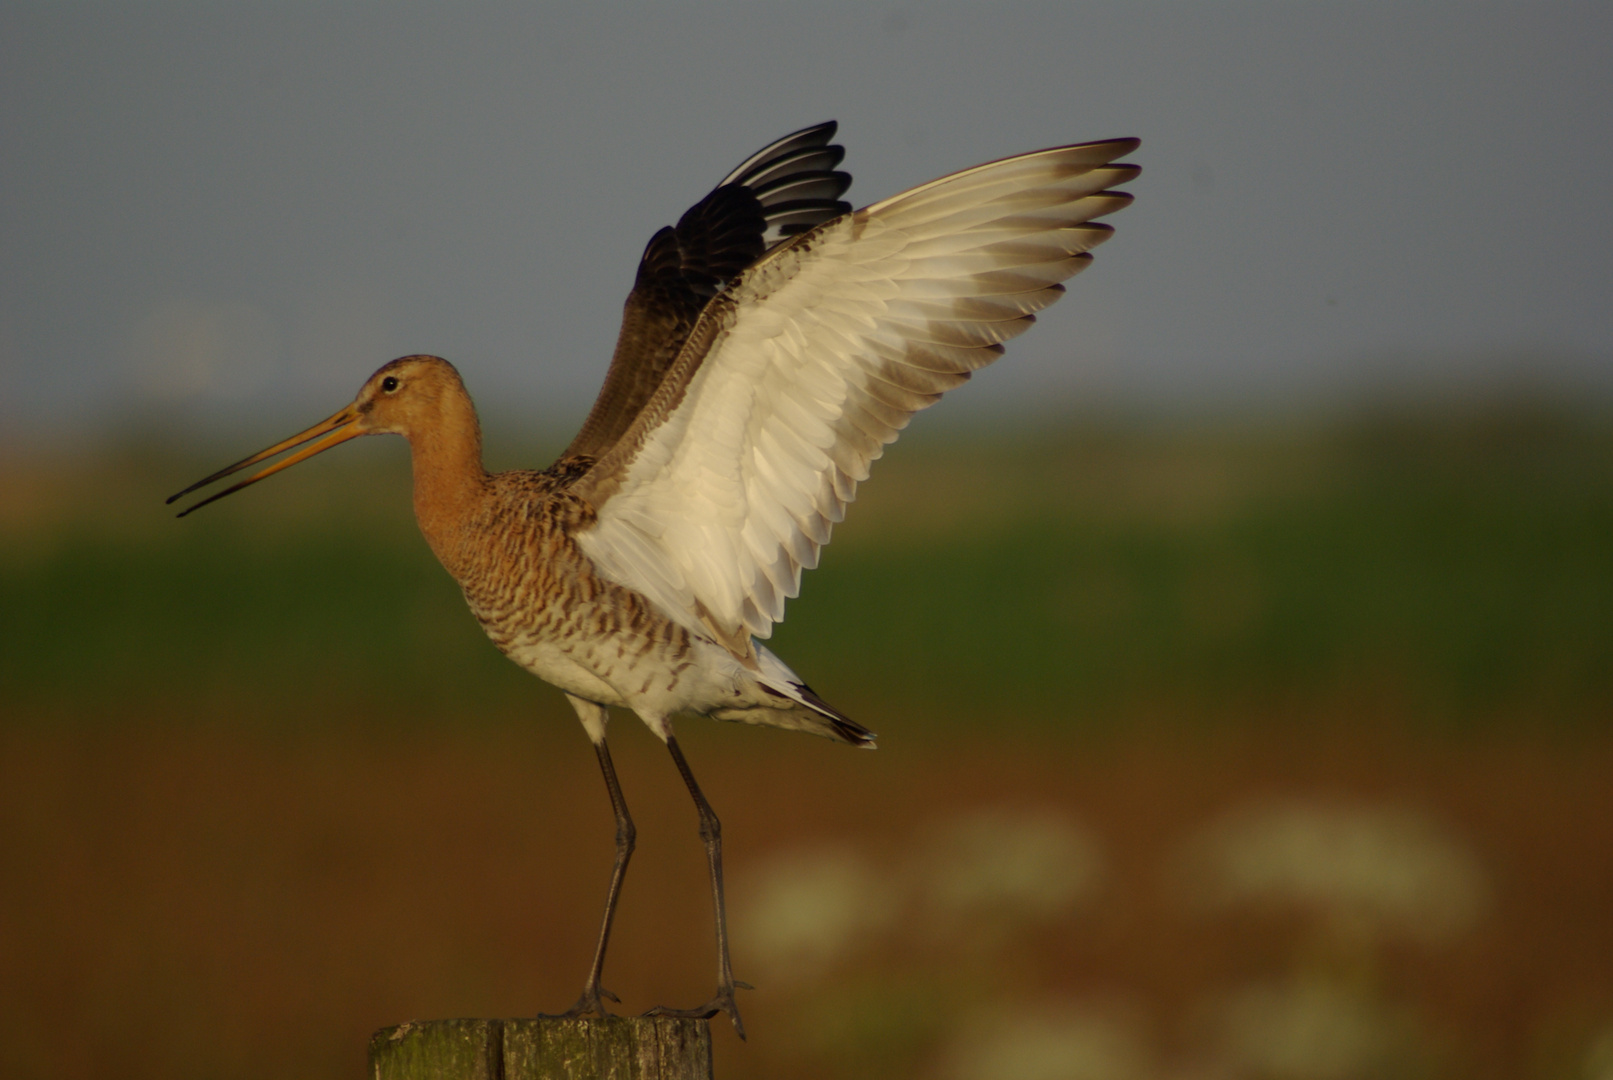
1273 752
1457 569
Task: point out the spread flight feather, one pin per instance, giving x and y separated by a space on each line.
749 440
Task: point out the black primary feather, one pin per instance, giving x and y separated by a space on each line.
787 188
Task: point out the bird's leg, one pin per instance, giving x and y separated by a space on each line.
593 994
711 834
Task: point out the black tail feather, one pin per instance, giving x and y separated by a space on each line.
847 728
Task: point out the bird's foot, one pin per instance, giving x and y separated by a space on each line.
591 1001
722 1002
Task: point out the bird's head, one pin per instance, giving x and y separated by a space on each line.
408 395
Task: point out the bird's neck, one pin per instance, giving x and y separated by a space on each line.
450 484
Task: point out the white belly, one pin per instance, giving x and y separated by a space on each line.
710 679
554 665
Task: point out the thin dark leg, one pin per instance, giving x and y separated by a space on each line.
711 833
626 836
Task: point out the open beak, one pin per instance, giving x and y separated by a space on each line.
322 436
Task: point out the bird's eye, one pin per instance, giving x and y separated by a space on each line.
389 384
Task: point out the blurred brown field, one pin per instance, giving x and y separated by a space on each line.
1204 753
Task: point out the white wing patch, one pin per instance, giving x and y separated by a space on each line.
718 498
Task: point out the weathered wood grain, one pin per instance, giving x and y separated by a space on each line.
620 1048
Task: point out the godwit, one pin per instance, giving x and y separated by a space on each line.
773 344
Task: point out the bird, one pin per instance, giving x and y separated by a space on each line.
773 343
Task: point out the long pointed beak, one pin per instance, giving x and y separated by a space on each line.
322 436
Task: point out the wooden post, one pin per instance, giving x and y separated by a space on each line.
621 1048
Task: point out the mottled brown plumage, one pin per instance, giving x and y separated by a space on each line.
772 345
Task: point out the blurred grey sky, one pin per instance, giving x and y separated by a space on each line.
216 213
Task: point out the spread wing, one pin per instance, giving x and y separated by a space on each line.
796 376
779 192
